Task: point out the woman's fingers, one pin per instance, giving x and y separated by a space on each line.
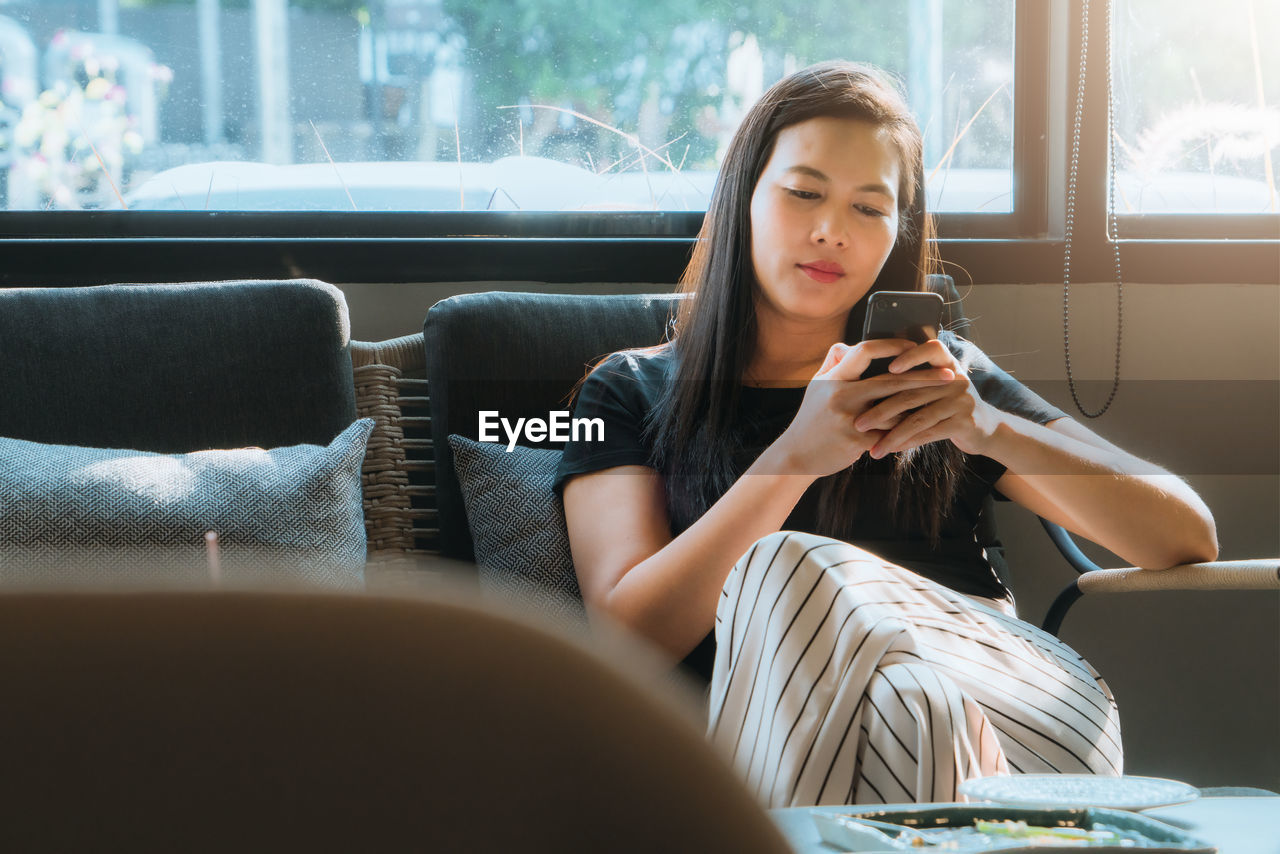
936 433
844 362
854 361
925 425
857 397
849 363
918 405
932 352
886 413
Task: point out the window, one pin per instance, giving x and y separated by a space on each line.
1197 106
394 105
353 139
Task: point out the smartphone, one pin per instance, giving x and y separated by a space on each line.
912 315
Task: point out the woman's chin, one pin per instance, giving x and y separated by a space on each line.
812 307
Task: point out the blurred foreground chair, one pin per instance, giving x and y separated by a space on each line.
293 721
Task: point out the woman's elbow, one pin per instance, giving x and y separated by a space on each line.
1205 550
1198 543
597 596
605 601
639 616
1204 545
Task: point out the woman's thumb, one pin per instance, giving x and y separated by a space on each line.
834 355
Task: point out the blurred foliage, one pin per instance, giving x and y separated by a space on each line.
660 67
594 83
73 141
678 72
348 6
604 58
1187 86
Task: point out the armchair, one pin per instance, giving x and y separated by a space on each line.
522 353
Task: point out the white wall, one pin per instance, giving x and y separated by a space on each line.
1197 675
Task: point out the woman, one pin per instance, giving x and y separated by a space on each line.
805 538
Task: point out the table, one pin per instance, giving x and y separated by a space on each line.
1236 825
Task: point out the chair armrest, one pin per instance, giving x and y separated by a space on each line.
398 475
1261 574
405 353
1258 574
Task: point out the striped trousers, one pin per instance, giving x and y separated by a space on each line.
842 678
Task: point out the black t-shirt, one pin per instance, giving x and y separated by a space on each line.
626 386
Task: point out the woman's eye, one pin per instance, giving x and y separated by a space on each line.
802 194
870 211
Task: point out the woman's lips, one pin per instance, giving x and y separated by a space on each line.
822 272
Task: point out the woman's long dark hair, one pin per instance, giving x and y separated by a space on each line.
694 426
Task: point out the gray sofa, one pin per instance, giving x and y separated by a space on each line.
290 718
113 398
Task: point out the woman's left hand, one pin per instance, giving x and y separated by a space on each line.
930 414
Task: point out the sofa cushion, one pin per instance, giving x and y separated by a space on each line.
517 524
72 513
521 355
174 368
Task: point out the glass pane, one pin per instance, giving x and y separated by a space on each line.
1197 106
460 104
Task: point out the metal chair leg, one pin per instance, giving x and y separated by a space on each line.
1059 608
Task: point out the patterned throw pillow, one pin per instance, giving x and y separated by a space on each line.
517 524
104 515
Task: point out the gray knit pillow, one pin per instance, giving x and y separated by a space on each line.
103 515
517 524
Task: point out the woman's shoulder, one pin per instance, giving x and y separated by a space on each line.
981 369
968 353
995 385
645 366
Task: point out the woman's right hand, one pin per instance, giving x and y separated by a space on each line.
822 438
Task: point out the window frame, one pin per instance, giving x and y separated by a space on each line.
65 248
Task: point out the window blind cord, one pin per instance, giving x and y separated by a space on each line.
1113 231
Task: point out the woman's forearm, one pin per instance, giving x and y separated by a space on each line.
671 597
1137 510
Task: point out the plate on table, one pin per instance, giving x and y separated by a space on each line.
1079 790
997 829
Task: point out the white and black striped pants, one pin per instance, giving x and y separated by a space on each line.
842 678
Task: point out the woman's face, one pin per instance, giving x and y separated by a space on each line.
824 216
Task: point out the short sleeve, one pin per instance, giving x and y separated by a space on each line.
997 387
619 392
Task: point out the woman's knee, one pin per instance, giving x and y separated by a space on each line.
798 545
789 549
789 557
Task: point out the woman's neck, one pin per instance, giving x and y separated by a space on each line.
789 353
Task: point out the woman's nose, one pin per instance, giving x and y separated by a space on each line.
831 231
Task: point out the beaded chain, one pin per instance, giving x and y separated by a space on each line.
1113 231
